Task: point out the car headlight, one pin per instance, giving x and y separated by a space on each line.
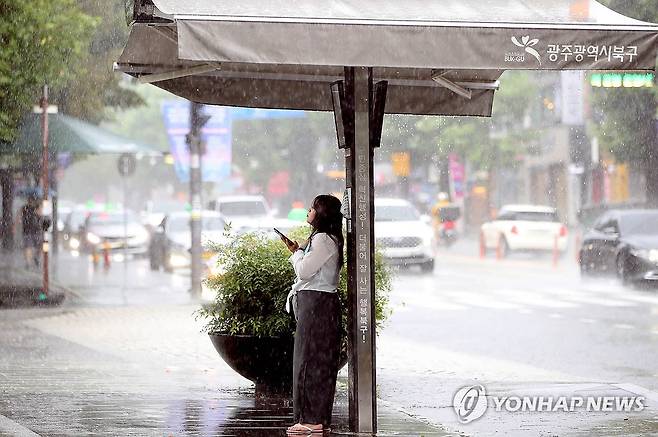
93 238
648 254
74 243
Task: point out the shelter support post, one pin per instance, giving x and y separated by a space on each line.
359 112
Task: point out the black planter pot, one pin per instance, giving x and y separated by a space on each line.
267 361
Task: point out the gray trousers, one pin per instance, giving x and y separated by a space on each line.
316 356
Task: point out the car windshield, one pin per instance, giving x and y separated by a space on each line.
645 223
182 224
396 213
528 216
242 208
111 218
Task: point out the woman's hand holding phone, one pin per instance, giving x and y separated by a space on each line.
292 245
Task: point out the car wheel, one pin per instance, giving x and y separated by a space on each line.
427 266
622 273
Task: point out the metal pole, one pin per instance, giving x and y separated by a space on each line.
44 182
7 186
55 231
363 408
125 226
194 143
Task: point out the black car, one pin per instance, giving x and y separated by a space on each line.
625 243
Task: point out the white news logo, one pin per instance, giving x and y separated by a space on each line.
470 403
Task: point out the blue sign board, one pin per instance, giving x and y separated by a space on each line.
260 114
216 133
216 164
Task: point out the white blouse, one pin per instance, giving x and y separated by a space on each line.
316 267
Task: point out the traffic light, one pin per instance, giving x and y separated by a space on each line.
197 120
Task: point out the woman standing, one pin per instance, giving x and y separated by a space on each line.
314 298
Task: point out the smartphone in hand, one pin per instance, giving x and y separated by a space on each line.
285 239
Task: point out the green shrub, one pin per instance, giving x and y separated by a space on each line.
255 279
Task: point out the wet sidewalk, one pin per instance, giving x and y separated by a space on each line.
22 285
127 371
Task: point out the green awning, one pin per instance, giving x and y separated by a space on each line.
68 134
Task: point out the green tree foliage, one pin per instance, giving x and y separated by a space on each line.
627 126
627 115
265 147
93 85
144 123
39 39
482 141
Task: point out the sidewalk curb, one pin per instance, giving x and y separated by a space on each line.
9 427
29 296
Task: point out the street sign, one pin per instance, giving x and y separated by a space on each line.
52 109
127 164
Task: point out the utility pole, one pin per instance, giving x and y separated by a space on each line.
195 145
45 185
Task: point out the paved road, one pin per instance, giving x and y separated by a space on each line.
519 326
516 326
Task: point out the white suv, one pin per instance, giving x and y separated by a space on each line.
401 235
524 228
243 213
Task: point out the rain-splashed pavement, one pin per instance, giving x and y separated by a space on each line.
124 355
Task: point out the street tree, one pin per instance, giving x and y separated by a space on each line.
93 86
485 143
627 116
39 40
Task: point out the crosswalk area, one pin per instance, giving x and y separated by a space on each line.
510 286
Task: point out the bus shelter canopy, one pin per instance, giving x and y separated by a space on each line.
441 57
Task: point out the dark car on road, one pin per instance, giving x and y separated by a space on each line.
625 243
73 226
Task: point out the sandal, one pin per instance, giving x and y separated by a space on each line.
305 431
